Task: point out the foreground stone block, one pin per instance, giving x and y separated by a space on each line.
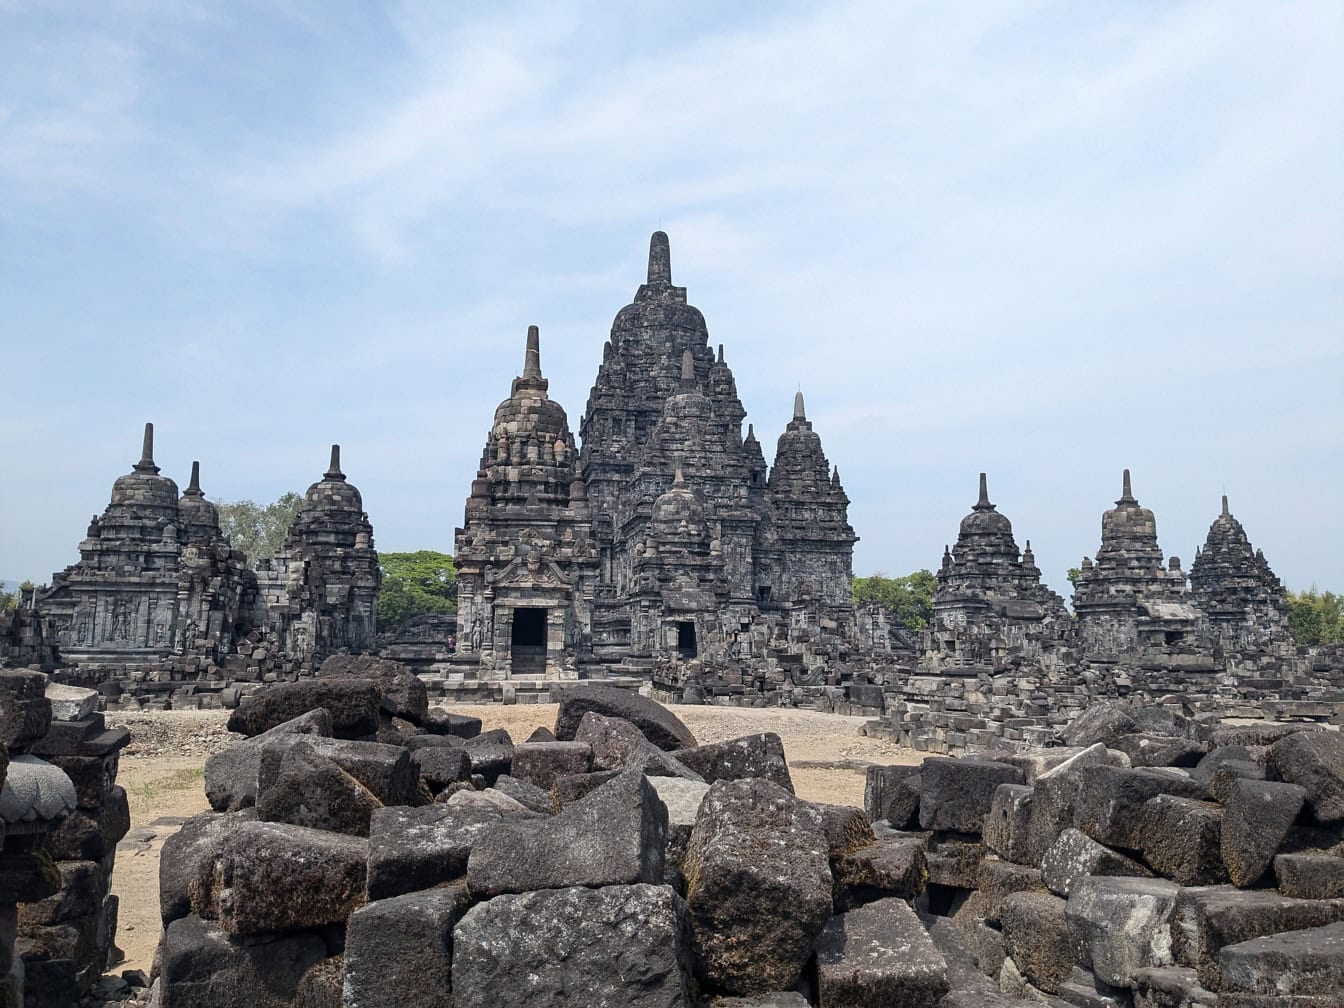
1310 876
439 766
1293 963
399 951
1120 925
385 770
1053 806
615 836
893 866
999 879
231 775
1170 987
956 794
542 763
879 954
1075 856
892 793
614 947
1008 825
1182 839
311 790
202 967
659 725
760 755
758 885
1257 817
1037 938
277 877
619 745
404 695
352 703
187 862
1314 760
417 848
1109 804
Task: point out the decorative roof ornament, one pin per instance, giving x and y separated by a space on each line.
146 463
194 487
334 469
660 260
983 503
799 412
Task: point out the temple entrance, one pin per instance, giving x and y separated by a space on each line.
686 639
528 643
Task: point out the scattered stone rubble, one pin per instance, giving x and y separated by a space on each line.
1144 861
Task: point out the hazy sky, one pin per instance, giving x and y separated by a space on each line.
1046 240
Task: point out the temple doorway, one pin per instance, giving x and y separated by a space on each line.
686 639
528 643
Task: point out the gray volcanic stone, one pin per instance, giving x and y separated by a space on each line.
34 791
439 766
999 879
892 793
954 859
1310 961
1037 938
386 770
1008 825
682 799
491 755
615 836
760 755
1104 723
1170 987
1182 839
187 861
439 722
575 787
1204 769
1207 919
659 725
779 999
352 703
879 954
541 734
202 967
1075 856
278 877
1160 750
892 866
526 794
758 885
542 763
1264 734
1053 806
847 829
231 775
614 947
1119 925
1315 760
956 794
1257 817
1310 876
418 848
311 790
619 745
404 695
71 703
1109 804
321 985
1226 775
399 951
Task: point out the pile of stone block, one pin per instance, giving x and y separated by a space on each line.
1153 862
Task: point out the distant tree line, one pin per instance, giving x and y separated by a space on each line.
909 597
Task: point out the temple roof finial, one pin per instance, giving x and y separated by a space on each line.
532 358
720 353
146 463
660 259
687 370
799 413
679 480
1225 510
983 503
334 470
194 487
1126 495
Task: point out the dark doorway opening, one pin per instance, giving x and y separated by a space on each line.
686 639
528 642
1174 637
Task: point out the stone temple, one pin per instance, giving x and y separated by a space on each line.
666 537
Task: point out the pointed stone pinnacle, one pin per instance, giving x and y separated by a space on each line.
194 487
334 470
720 353
687 369
660 259
1225 511
1126 494
532 357
146 463
983 503
799 412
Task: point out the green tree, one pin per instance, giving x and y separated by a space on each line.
415 584
9 601
256 530
910 597
1316 617
1074 574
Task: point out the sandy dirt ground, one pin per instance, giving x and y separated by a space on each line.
163 774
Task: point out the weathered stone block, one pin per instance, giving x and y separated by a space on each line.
892 866
659 725
1257 818
231 775
399 951
1111 799
385 770
891 793
542 763
956 794
1000 879
1310 876
1119 925
1310 961
310 790
1008 825
1170 987
202 967
1075 856
1182 839
187 862
1037 937
352 703
1314 760
760 755
879 954
404 695
439 766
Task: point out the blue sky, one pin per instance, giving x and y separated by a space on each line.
1046 240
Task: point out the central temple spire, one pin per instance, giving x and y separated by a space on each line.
194 488
334 470
1126 494
799 412
660 259
983 503
146 463
687 371
532 358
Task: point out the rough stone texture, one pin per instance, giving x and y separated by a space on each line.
759 755
1119 925
956 794
619 745
352 703
1310 961
954 859
615 836
614 947
879 954
1310 876
659 725
1207 919
1057 790
682 799
891 793
417 848
1182 840
399 951
1037 938
542 763
231 775
386 770
204 968
277 877
439 766
1000 879
1075 856
1146 750
1257 816
1314 760
1109 806
187 862
1008 825
404 695
1170 987
757 884
311 790
892 866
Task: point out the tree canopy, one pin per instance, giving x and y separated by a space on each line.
9 601
415 584
259 531
910 597
1316 617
